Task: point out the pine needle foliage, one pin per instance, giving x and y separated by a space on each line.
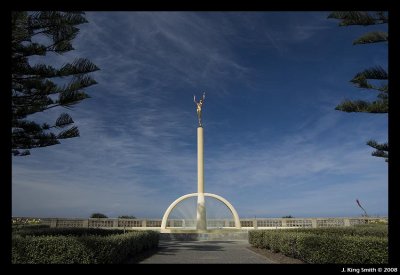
36 88
363 79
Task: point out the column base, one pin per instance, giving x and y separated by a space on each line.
201 213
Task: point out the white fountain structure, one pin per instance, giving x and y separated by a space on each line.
201 221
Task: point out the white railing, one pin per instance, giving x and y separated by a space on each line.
260 223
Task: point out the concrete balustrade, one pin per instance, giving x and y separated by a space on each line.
246 224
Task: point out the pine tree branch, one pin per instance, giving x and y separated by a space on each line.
69 98
42 71
32 49
20 153
382 149
376 72
359 18
23 139
63 120
378 146
372 37
19 27
44 19
70 133
79 82
52 106
363 83
79 66
361 106
31 85
36 109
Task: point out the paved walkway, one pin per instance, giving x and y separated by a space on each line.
205 252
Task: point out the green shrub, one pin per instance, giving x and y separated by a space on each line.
374 222
287 244
323 249
42 231
50 250
98 215
256 238
18 227
320 246
82 249
378 230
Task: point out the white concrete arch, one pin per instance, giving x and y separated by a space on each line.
184 197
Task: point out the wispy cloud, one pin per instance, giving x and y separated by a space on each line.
157 167
161 48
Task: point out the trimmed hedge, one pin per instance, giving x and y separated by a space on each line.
323 248
380 230
68 249
43 231
18 227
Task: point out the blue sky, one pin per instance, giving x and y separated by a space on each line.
274 145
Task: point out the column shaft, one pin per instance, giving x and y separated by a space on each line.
201 206
200 160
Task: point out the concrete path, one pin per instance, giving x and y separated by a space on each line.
205 252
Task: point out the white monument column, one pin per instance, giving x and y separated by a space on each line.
201 224
201 204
